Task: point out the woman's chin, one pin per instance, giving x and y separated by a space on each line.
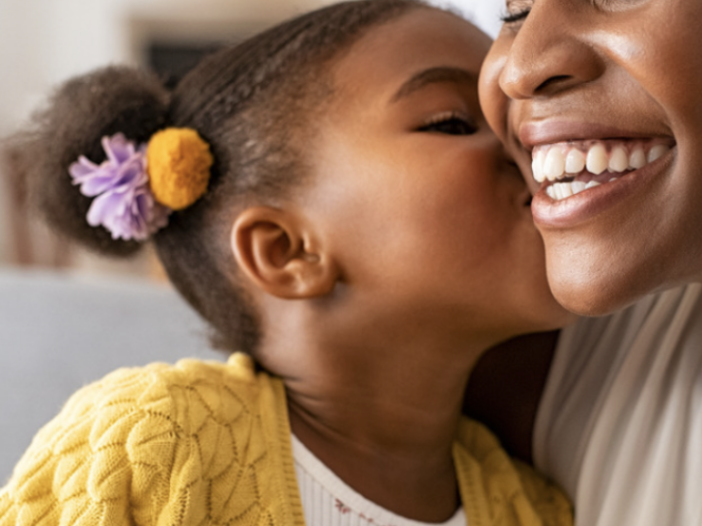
592 297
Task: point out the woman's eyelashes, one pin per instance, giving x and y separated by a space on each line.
516 11
450 124
513 18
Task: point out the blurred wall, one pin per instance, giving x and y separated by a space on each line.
43 42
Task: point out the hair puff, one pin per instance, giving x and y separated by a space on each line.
79 114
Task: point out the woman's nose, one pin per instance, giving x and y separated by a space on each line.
550 52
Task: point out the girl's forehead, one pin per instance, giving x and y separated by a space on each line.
423 39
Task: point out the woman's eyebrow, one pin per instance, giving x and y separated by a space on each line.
431 76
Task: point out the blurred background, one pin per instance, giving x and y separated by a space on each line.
67 317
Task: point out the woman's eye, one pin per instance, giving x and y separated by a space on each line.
518 16
451 126
516 11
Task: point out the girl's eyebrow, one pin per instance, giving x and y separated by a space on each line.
432 76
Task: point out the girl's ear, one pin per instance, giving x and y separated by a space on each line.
280 255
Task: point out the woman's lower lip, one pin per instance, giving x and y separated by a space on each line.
589 203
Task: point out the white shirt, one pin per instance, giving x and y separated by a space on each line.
328 501
620 423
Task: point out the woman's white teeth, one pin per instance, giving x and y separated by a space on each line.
581 162
554 165
596 161
619 160
558 191
657 152
566 160
575 162
537 166
638 158
577 187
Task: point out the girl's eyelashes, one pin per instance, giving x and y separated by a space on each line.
451 123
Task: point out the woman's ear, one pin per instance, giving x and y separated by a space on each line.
280 255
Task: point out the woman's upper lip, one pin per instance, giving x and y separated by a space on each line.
551 131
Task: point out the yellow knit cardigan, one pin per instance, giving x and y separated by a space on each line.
206 443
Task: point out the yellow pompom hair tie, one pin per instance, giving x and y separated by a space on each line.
178 163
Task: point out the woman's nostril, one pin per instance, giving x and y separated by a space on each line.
550 82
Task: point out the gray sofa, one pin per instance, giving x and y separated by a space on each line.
59 332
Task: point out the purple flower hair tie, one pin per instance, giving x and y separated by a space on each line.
123 202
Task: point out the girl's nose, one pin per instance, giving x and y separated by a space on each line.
550 53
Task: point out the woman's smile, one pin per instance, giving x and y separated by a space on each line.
578 171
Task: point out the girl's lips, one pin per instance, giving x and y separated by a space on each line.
587 205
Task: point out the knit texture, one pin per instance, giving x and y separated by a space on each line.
206 443
497 490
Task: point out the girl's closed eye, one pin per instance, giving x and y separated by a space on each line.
450 123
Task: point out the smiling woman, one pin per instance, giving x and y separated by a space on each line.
588 78
599 103
357 234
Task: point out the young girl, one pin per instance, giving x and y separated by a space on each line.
602 99
328 196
